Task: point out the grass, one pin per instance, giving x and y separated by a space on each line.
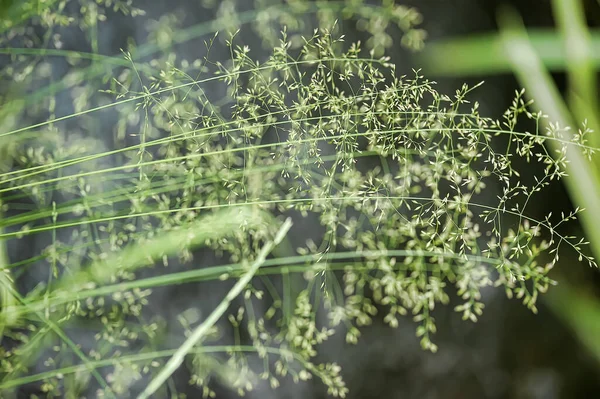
531 55
393 176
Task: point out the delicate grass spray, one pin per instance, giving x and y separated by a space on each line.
394 176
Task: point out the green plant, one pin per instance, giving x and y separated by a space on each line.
532 54
394 175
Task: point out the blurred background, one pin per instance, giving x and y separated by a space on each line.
513 353
509 352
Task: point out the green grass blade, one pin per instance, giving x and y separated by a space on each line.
485 55
581 71
583 181
213 226
579 311
7 299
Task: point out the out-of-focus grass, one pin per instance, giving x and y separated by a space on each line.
531 55
583 182
486 54
7 299
580 311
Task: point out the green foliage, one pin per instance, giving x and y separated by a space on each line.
572 48
395 174
485 54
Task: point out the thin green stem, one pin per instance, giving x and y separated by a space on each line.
199 333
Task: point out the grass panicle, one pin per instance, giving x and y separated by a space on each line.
414 196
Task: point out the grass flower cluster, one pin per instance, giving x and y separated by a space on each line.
413 197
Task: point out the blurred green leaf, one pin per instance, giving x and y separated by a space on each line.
581 72
7 299
485 54
5 5
143 253
531 55
579 311
583 181
7 10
